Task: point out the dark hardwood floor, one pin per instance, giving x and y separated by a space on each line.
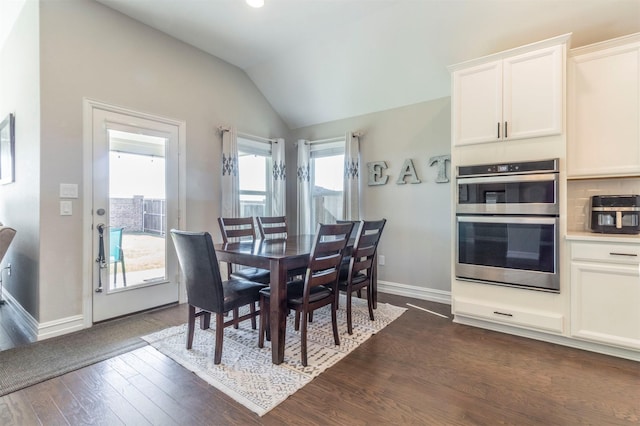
422 369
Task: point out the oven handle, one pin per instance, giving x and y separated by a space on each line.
510 219
509 178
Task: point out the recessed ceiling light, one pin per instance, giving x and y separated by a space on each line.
255 3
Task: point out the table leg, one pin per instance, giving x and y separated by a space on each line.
278 312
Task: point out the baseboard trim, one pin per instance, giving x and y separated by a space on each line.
433 295
550 338
40 331
60 326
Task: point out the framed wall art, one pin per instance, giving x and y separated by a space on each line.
7 149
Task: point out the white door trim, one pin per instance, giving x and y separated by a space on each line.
88 106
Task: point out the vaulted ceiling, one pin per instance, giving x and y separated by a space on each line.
323 60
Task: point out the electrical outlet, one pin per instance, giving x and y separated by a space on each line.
381 259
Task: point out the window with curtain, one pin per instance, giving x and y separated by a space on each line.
327 181
254 173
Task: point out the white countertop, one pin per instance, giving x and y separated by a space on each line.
607 238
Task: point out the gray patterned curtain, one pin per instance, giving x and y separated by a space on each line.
304 188
351 196
230 181
279 192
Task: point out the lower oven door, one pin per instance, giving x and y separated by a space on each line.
508 250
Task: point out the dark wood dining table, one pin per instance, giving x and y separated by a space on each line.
278 256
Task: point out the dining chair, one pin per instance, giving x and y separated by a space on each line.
272 226
237 229
116 254
206 292
319 287
361 264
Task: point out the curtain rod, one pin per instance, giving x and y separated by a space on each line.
248 136
356 134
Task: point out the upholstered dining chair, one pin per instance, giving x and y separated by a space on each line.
234 229
319 287
362 261
206 292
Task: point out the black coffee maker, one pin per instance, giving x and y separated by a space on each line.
615 214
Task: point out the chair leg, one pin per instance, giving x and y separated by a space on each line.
217 356
252 309
124 272
205 320
263 320
370 302
334 321
349 318
297 321
303 339
191 325
235 318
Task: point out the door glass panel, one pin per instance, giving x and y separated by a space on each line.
137 210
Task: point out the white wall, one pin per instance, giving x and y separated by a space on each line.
19 201
417 238
88 50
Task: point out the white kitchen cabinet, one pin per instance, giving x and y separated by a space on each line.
605 293
604 109
517 95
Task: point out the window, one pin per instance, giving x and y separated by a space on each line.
254 173
327 181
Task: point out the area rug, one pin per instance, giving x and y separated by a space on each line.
30 364
246 372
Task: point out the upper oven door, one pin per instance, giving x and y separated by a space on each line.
532 194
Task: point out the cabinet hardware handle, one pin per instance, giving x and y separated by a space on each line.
498 130
505 130
503 314
623 254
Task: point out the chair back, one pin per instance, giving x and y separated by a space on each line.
356 226
270 226
326 256
115 244
366 246
6 236
199 265
237 229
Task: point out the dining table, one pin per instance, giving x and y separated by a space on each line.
278 255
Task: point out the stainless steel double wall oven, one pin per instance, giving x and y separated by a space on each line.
507 218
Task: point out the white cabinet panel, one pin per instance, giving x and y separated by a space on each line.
605 293
604 113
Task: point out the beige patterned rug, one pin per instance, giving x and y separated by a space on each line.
247 374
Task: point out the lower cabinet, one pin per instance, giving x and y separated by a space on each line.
605 293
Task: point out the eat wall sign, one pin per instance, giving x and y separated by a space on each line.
408 172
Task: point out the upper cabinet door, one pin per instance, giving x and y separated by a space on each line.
604 113
516 97
533 93
477 104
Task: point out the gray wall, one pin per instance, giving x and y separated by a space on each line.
88 50
417 238
20 201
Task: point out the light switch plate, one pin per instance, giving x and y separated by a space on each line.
66 208
68 190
